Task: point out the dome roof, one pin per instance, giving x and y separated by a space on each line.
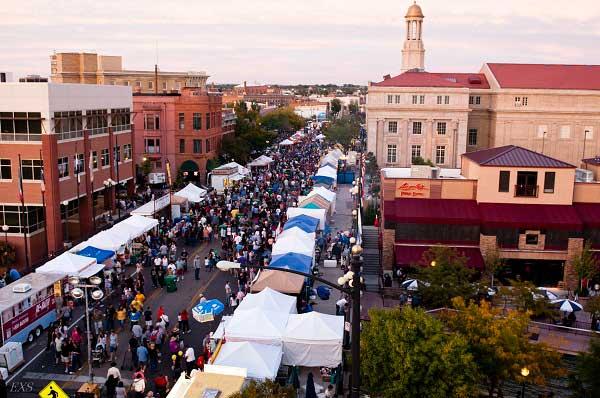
414 11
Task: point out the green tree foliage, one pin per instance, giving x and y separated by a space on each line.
500 345
146 167
493 264
282 120
353 107
526 298
343 130
447 275
585 265
335 106
419 161
265 389
8 254
406 353
584 381
212 163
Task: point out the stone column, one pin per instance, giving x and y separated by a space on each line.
389 238
487 244
54 227
574 249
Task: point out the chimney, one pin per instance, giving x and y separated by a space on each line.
245 87
386 77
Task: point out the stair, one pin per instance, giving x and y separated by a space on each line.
371 258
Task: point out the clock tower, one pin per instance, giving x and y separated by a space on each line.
413 53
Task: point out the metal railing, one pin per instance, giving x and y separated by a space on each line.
528 191
69 135
21 137
98 131
121 127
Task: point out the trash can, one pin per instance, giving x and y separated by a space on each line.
171 282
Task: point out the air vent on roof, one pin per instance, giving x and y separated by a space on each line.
451 79
386 77
474 80
21 288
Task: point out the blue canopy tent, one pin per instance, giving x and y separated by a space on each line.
100 255
304 222
293 261
310 206
323 180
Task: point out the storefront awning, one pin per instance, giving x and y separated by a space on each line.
589 214
529 216
432 211
413 255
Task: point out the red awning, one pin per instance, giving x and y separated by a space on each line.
432 211
589 213
529 216
413 255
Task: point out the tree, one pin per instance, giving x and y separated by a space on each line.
343 131
265 389
336 106
584 381
593 308
585 266
212 163
500 345
282 119
419 161
407 353
353 107
526 298
492 265
447 275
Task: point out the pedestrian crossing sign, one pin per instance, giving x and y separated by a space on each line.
52 390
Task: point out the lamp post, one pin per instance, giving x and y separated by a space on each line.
109 184
80 290
353 280
524 373
66 204
5 230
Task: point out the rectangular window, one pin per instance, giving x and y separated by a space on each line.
127 152
392 127
78 163
446 100
151 122
164 86
504 181
416 151
197 146
181 145
152 145
531 239
32 169
126 83
417 128
526 184
478 100
520 101
471 100
95 160
22 219
63 167
439 100
588 133
415 99
397 99
440 154
150 85
208 121
472 137
390 98
565 132
197 121
421 99
441 128
549 179
117 153
138 84
69 124
524 101
207 145
5 169
104 160
181 121
391 153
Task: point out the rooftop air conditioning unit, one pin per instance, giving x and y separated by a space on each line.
582 175
435 172
21 288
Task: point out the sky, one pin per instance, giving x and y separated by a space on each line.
297 41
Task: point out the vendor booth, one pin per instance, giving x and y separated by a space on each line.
286 142
304 222
100 255
72 265
294 243
294 261
269 300
315 213
261 360
192 193
313 339
280 281
257 325
261 161
225 175
152 207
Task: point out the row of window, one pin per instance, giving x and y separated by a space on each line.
565 132
392 153
526 182
78 160
210 144
150 85
417 127
20 126
418 99
22 219
152 121
95 120
474 100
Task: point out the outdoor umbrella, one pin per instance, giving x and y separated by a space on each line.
568 305
206 310
542 292
310 387
413 284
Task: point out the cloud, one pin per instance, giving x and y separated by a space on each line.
284 41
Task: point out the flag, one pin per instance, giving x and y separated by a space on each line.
43 183
20 194
91 166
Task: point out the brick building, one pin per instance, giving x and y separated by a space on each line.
527 206
184 128
52 128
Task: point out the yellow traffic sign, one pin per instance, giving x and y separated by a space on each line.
52 390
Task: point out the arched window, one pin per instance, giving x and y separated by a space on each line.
414 30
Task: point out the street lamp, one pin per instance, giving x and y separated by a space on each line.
5 230
353 279
524 373
433 263
97 294
109 183
66 204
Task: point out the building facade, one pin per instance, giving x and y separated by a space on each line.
527 207
184 129
90 68
552 109
70 143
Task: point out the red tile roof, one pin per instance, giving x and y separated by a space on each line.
594 161
426 79
470 80
541 76
514 156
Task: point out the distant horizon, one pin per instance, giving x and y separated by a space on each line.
289 42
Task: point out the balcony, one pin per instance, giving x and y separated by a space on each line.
152 149
526 191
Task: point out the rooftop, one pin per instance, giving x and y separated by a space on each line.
514 156
427 79
593 161
547 76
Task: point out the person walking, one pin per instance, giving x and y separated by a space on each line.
113 343
197 266
190 360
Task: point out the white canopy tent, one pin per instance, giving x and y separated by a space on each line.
316 213
329 159
313 339
127 230
269 300
319 137
327 171
240 169
326 194
261 161
192 193
298 232
107 240
262 361
144 224
257 325
286 142
153 206
71 265
294 243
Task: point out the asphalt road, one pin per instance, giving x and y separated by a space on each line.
40 367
